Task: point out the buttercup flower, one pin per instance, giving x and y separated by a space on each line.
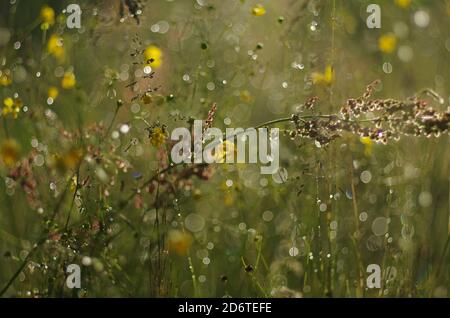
53 92
153 56
12 106
228 198
68 160
258 10
179 242
9 152
157 137
403 3
245 96
326 77
48 15
147 98
5 78
368 143
387 43
68 81
55 47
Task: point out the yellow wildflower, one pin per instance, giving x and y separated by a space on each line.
9 152
326 77
72 158
73 183
258 10
12 106
53 92
55 47
147 98
179 242
387 43
245 96
5 78
403 3
153 56
157 137
68 81
228 199
368 143
48 15
69 160
8 102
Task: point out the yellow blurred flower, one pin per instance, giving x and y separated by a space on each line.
9 152
55 47
368 144
228 199
48 15
387 43
157 137
53 92
73 183
227 147
258 10
349 22
326 77
69 160
147 98
12 106
153 56
5 78
245 96
8 102
68 81
403 3
72 158
179 242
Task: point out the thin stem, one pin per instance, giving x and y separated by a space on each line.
112 120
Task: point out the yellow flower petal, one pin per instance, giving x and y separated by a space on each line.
245 96
157 137
327 77
53 92
403 3
9 152
68 81
368 143
5 79
387 43
48 15
153 56
258 10
55 47
8 102
179 242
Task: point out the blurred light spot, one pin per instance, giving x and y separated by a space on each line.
363 216
387 67
425 199
267 216
366 176
194 222
380 226
124 129
293 251
421 18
